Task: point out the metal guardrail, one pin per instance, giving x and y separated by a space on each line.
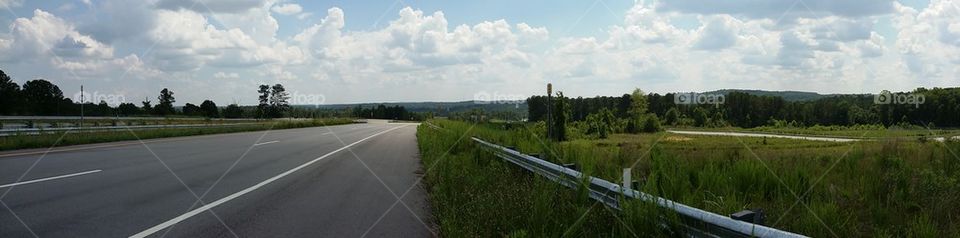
699 222
37 131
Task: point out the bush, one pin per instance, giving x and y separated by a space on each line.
601 123
672 117
651 124
633 125
700 117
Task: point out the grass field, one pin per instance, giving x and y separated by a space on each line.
61 139
893 187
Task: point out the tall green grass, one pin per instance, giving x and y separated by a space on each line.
892 188
77 138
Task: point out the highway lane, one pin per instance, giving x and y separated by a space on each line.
134 191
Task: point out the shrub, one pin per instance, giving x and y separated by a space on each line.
651 124
601 123
672 117
633 125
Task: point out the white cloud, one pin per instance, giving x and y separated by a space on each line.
873 47
717 32
730 44
319 37
287 8
304 16
775 9
643 24
927 39
45 35
10 3
254 22
224 75
216 6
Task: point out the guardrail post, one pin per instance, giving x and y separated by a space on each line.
755 217
627 180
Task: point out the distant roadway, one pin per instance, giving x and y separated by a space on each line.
747 134
337 181
796 137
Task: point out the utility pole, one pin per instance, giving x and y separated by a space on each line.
549 111
81 106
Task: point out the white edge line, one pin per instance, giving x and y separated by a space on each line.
50 178
264 143
194 212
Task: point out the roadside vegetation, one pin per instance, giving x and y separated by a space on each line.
891 187
899 183
75 138
474 194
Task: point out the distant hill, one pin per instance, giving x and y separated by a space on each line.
462 106
438 107
793 96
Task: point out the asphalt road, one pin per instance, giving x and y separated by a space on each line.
746 134
338 181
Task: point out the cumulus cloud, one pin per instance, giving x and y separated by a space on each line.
643 24
927 39
287 8
776 9
416 41
718 32
216 6
46 34
319 38
873 47
257 23
663 46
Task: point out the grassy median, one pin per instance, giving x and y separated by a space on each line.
77 138
891 187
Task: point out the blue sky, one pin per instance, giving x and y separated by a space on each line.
364 51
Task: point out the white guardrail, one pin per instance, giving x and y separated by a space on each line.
699 223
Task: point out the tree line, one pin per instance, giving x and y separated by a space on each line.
381 111
941 108
597 116
40 97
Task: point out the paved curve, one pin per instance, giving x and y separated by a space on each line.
796 137
747 134
315 187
